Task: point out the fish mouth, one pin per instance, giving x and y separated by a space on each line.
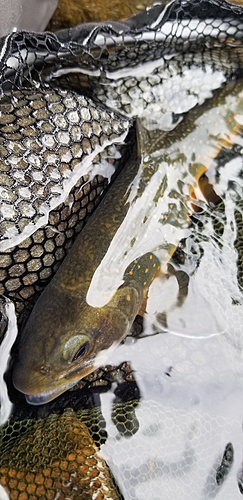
37 393
63 383
34 397
47 396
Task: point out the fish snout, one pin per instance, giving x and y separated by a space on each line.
26 380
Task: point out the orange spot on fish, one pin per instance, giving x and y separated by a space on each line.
131 273
146 270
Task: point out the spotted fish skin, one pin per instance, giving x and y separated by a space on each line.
49 180
64 334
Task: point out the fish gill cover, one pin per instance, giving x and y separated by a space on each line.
66 98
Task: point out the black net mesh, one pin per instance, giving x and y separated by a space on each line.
67 109
35 466
41 164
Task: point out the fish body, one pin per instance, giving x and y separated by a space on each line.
137 63
64 358
135 229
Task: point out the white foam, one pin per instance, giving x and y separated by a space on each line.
3 493
5 348
60 193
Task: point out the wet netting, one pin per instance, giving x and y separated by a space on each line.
163 418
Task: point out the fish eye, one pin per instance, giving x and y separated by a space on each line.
76 347
82 351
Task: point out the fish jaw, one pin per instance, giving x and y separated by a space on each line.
45 383
36 389
46 397
44 377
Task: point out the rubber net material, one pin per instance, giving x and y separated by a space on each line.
170 422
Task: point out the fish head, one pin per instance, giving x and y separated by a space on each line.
64 340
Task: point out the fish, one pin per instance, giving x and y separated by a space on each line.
68 289
163 467
134 231
27 267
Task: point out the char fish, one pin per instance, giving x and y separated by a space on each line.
97 292
111 59
76 354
